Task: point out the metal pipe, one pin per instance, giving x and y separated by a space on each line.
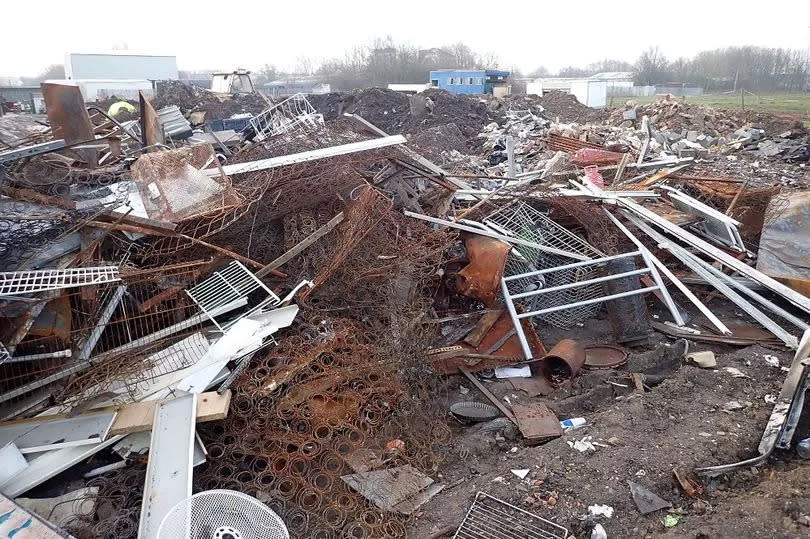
497 236
36 357
671 276
571 266
589 302
104 469
791 295
106 314
524 343
698 267
582 283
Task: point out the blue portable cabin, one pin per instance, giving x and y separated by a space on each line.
468 81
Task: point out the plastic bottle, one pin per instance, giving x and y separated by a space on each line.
803 448
573 423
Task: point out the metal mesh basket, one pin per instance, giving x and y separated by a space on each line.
523 221
221 514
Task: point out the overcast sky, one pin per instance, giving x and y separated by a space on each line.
208 34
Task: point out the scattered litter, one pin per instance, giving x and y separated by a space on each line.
687 482
731 406
704 360
773 361
583 445
513 372
735 372
154 255
671 520
646 500
573 423
521 473
600 510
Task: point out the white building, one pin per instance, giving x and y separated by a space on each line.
592 93
120 65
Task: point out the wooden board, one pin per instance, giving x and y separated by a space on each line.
138 417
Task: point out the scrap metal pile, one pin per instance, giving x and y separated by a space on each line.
275 310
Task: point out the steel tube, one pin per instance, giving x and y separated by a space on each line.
588 302
572 265
581 283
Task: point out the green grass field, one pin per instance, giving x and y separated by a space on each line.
798 104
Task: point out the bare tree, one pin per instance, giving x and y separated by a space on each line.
650 67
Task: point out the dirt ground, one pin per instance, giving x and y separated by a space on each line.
643 437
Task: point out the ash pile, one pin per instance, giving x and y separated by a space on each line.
272 307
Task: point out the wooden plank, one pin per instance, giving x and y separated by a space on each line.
482 327
138 417
300 246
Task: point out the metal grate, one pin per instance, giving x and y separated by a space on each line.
14 283
226 286
523 221
491 518
293 113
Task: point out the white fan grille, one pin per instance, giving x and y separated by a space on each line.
222 514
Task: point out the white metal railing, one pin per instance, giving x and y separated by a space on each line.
541 290
293 113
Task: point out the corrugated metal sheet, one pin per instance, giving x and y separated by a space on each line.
174 123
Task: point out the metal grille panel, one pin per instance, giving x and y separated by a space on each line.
226 286
491 518
523 221
14 283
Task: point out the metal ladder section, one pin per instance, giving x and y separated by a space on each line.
226 286
13 283
293 112
649 269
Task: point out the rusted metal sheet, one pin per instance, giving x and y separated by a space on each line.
559 143
537 423
151 127
69 119
500 341
55 320
481 278
483 326
66 112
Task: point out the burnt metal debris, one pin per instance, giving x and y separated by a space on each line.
316 284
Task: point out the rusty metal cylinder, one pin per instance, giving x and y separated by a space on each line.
564 361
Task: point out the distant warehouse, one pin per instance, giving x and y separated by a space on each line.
471 81
121 65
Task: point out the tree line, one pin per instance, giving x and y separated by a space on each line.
732 68
756 69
